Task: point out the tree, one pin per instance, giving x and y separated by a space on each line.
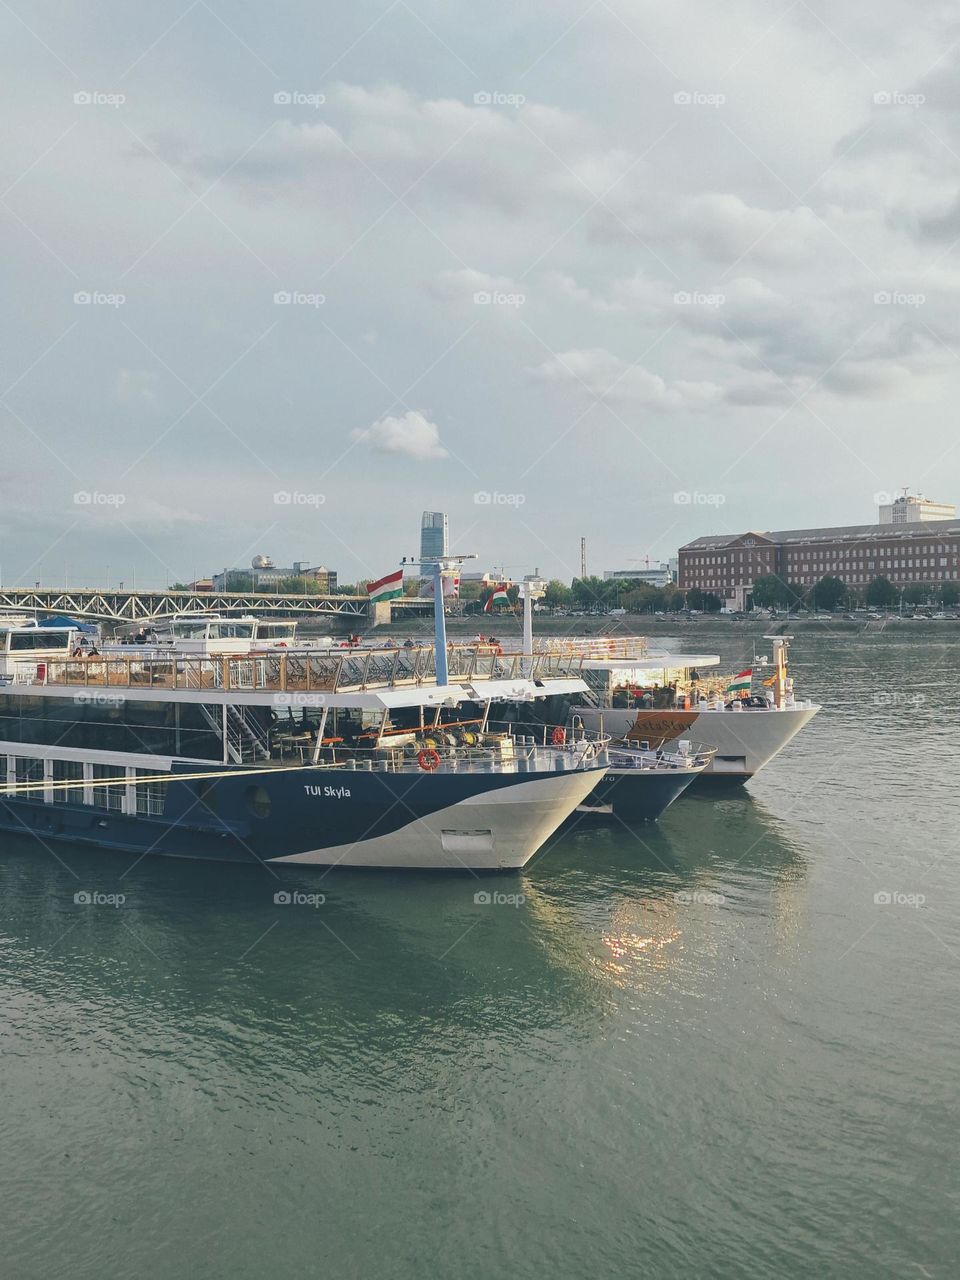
829 593
949 594
558 595
916 593
881 593
771 592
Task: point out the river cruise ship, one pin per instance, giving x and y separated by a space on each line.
661 699
358 758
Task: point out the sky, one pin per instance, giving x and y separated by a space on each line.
278 278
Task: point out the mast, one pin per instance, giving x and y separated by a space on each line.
437 566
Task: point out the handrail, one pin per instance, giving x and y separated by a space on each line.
300 670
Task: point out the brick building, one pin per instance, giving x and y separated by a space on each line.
729 564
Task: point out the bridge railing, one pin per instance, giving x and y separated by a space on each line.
299 671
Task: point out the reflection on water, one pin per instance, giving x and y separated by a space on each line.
701 1044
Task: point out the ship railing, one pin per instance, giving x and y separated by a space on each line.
594 646
514 752
299 671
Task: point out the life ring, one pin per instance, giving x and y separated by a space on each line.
558 737
428 759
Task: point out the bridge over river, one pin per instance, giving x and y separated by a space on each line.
99 605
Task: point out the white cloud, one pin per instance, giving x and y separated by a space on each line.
411 435
601 373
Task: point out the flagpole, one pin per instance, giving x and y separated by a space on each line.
436 565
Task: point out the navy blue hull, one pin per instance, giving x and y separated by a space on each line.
258 817
638 796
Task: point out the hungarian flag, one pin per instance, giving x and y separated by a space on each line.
741 683
387 588
499 597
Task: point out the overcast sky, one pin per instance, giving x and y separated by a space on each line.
626 270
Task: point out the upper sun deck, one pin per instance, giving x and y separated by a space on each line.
347 677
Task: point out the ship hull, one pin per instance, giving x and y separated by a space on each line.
635 795
745 741
328 817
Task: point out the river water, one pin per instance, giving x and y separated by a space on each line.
704 1051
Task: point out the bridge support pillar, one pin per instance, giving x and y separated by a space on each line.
380 613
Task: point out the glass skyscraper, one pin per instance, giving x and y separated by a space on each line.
434 534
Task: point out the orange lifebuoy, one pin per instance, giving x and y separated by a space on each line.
558 737
429 759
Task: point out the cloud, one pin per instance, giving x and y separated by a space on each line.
411 435
605 375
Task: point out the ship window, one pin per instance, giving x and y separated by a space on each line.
4 789
258 801
151 796
67 771
30 771
109 794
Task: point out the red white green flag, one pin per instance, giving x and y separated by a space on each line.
387 588
741 683
499 597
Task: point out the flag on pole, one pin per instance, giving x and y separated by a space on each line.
451 586
741 683
387 588
499 597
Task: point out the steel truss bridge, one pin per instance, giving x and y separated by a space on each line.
147 606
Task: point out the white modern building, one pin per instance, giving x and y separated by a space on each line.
914 508
659 575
